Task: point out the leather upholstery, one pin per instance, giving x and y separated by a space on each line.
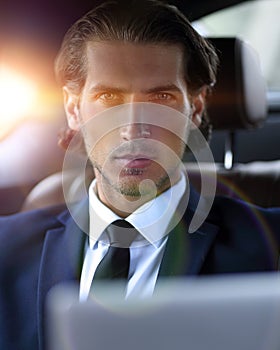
238 100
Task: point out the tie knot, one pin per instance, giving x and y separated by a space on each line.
121 234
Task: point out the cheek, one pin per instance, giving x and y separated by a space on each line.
104 146
89 109
170 140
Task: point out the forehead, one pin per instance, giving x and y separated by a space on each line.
132 61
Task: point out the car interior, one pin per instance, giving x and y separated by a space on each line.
243 109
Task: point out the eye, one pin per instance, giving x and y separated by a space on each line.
108 96
163 96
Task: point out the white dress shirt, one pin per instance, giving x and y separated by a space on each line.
151 221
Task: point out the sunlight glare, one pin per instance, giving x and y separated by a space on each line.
17 96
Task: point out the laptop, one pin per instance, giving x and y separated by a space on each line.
214 313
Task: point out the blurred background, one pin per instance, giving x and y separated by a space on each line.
31 112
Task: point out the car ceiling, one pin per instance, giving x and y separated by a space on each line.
41 24
33 17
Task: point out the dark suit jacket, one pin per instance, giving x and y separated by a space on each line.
42 248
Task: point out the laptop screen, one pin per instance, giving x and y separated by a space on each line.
216 313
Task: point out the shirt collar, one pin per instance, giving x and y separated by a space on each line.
151 219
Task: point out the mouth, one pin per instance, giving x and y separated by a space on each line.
134 161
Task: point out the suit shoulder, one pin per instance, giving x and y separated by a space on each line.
225 204
31 218
236 214
27 228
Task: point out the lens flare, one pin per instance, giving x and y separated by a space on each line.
17 96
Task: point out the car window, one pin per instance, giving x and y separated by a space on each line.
256 22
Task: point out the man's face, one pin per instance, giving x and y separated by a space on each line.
124 73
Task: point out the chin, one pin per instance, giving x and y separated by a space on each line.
143 186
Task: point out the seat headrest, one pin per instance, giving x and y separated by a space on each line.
238 100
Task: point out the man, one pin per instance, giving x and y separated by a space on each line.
123 69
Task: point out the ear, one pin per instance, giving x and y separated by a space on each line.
198 105
71 106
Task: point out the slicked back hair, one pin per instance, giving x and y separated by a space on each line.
139 22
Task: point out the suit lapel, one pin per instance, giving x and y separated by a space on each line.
185 252
61 261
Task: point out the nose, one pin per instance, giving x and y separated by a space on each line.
135 127
135 131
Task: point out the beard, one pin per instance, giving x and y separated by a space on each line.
131 181
133 187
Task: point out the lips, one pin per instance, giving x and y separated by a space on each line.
139 161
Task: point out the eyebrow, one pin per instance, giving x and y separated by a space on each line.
167 87
101 87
